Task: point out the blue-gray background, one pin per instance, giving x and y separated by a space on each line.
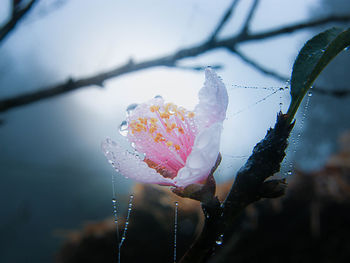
53 175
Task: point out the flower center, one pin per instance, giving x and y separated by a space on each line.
165 134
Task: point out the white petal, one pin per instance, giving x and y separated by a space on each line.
202 157
213 101
130 165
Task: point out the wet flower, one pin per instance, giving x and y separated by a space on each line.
179 147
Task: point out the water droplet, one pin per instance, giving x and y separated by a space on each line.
175 229
133 145
309 94
131 108
289 172
123 128
158 97
219 241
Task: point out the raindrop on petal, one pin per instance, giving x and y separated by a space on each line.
123 128
131 108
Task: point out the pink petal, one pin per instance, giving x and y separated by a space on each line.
213 101
131 166
202 158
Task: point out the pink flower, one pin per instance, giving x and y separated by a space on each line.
180 147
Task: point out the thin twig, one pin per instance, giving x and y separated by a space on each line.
17 15
223 20
259 67
247 22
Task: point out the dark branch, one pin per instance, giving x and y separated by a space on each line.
246 24
223 20
249 186
167 61
340 93
296 27
259 67
17 15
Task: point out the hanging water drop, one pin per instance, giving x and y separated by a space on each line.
219 241
115 214
123 128
126 226
175 229
131 108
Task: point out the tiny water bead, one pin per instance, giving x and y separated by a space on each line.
175 229
131 108
126 226
115 213
219 241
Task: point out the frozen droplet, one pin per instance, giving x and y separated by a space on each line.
219 241
131 108
123 128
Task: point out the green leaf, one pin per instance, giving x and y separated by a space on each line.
311 60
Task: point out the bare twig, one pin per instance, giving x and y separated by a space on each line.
246 24
17 15
223 20
170 60
259 67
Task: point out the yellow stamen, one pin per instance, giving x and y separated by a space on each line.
177 147
154 108
169 143
191 114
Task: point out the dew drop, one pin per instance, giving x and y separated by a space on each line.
289 172
158 97
309 94
123 128
126 226
131 108
219 241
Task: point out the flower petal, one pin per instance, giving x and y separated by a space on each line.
131 166
202 158
213 101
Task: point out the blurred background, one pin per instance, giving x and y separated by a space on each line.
53 174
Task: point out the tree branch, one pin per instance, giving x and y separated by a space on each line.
249 186
167 61
246 24
17 15
259 67
223 20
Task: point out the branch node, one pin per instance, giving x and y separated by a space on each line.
273 188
